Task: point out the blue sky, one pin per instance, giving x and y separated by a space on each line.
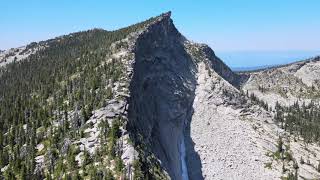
231 26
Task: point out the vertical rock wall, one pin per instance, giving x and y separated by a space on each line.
162 92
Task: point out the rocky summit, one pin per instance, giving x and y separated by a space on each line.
143 102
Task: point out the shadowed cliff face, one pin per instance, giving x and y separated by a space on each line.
162 92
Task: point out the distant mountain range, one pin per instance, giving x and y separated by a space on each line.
239 69
252 60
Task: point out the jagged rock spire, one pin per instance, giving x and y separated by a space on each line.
164 16
167 14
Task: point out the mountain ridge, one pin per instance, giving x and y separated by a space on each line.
261 68
291 78
142 102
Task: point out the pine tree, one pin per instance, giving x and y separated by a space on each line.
280 144
301 160
119 164
137 171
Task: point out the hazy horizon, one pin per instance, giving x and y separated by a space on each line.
226 26
257 59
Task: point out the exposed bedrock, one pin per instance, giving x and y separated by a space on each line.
162 92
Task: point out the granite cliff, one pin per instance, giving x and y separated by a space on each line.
164 107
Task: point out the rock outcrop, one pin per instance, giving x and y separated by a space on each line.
182 107
287 84
182 94
18 54
162 91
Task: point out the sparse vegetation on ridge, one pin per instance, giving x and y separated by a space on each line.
47 99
